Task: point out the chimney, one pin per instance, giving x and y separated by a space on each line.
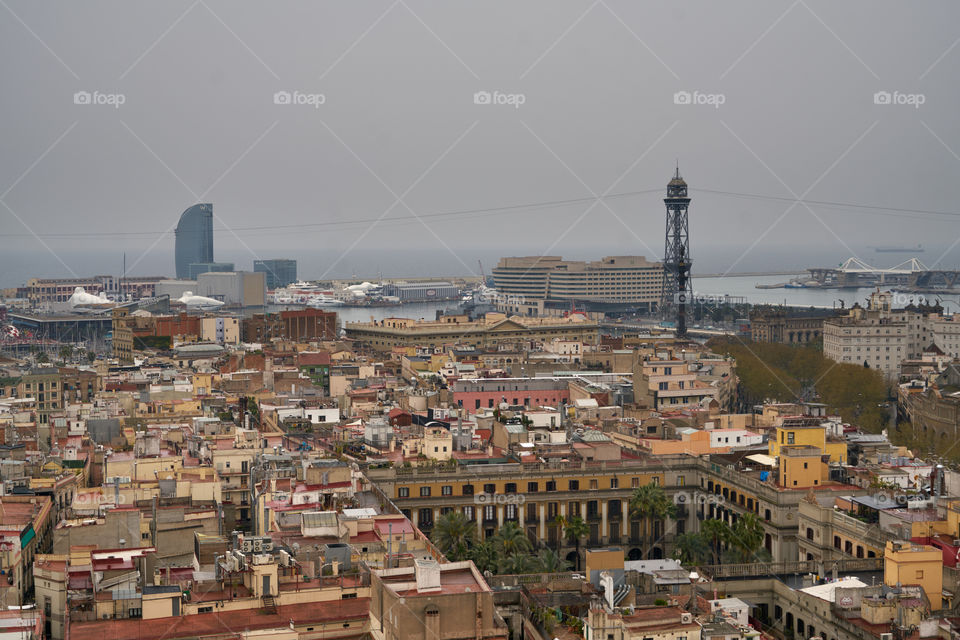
428 575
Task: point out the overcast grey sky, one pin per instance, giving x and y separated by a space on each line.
787 109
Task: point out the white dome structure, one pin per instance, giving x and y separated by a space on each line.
81 298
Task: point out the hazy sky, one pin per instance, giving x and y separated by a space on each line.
389 127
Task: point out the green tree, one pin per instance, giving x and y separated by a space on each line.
518 563
549 561
574 529
746 541
42 357
717 533
66 352
455 535
559 522
692 549
511 539
649 503
484 555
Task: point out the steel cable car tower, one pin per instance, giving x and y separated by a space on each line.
677 285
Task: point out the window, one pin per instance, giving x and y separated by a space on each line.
510 487
791 437
469 513
919 574
467 490
574 485
681 481
446 490
425 517
204 609
594 484
403 492
490 488
489 513
551 485
614 483
634 483
533 487
424 492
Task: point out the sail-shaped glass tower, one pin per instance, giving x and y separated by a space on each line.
194 238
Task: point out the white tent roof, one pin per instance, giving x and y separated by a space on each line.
763 459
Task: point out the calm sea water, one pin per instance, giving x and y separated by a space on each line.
746 286
737 286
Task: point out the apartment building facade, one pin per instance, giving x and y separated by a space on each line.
881 337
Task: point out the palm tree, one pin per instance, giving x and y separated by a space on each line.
692 549
511 539
575 529
716 532
649 503
560 522
550 561
484 555
746 540
455 535
517 563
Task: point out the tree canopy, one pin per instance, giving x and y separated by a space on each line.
783 373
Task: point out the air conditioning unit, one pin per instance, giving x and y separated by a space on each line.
267 544
261 558
247 546
886 636
257 545
284 558
686 618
